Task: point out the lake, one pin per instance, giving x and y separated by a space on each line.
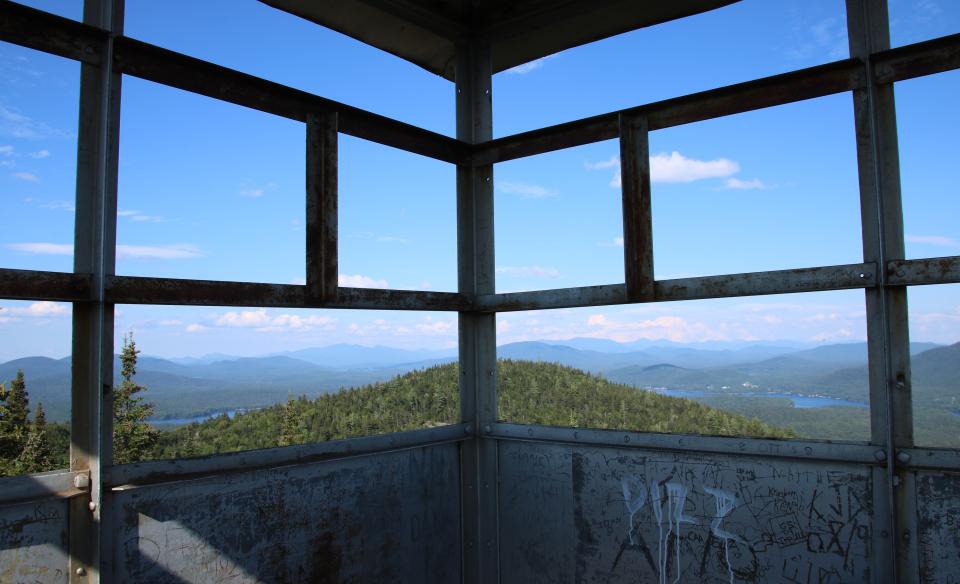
799 401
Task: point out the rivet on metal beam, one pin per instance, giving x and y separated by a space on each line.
626 438
487 429
81 481
901 382
81 572
468 429
903 457
92 505
880 455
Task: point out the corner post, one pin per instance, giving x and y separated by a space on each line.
891 404
477 330
91 427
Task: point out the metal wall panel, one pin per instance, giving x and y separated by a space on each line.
938 511
390 517
582 515
33 542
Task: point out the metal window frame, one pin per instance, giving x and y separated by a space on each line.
93 287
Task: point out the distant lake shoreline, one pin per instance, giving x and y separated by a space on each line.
800 401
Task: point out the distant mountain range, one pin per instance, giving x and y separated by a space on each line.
193 385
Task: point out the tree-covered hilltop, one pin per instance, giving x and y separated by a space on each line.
529 392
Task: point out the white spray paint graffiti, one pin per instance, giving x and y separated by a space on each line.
725 504
635 496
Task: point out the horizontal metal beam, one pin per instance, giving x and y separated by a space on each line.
37 285
917 60
68 38
938 55
54 484
749 284
742 97
139 290
36 29
793 449
941 459
945 270
176 70
160 471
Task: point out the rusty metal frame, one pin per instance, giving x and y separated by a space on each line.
105 54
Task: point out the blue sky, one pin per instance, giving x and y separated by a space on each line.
215 191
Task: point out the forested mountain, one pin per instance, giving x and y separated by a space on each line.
529 392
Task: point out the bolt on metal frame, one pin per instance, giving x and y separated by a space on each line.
93 288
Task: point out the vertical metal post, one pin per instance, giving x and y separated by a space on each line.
891 405
478 347
637 218
91 428
321 208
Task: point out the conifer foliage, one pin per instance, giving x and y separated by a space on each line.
133 438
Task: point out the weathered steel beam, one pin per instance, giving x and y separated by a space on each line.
917 60
637 199
42 31
178 469
742 97
944 270
37 285
36 487
935 459
138 290
938 55
888 342
322 208
748 284
176 70
733 446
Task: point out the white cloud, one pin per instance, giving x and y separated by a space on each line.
528 272
244 319
141 217
677 168
13 123
938 240
618 241
175 251
358 281
745 185
6 150
170 322
196 328
41 248
58 205
378 238
37 309
526 190
27 176
257 191
527 67
673 168
40 154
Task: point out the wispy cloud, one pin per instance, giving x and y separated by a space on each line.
358 281
126 252
735 183
37 310
673 168
528 67
40 154
263 321
15 124
528 272
256 191
938 240
139 217
526 190
27 176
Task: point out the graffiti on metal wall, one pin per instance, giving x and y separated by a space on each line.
938 510
641 517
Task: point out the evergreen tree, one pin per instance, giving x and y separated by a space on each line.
14 423
290 423
36 455
133 438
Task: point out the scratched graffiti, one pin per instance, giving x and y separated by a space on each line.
938 508
656 517
386 518
33 546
